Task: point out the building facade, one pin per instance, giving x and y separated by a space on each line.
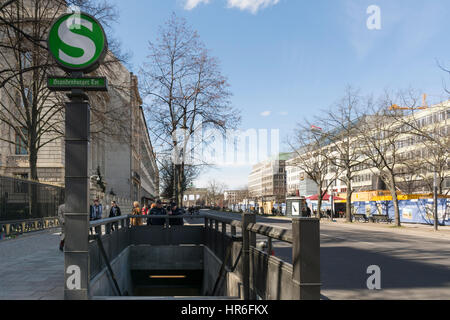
417 159
267 183
195 197
122 160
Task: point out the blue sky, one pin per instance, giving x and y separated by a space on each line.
291 58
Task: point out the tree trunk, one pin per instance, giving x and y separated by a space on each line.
393 191
319 208
348 205
175 183
32 159
179 199
319 204
33 187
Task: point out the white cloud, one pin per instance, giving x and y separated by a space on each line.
191 4
266 113
284 113
251 5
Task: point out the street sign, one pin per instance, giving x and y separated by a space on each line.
87 84
78 42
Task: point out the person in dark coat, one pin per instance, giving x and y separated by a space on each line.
175 211
158 210
96 213
114 212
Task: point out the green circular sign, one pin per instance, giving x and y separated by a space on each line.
78 42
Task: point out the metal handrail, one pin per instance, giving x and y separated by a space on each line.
26 220
96 223
230 221
101 222
281 234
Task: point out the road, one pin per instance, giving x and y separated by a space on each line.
412 266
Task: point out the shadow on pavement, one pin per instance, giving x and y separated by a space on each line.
346 268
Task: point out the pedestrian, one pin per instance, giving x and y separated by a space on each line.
304 212
135 222
145 210
158 210
114 212
96 213
61 211
308 212
175 211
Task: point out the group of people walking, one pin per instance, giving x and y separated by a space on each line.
156 209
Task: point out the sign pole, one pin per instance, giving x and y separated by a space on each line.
77 156
69 35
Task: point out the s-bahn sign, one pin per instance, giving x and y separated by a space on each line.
78 42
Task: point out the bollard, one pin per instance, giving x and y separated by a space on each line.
206 232
217 242
306 257
247 241
211 235
224 235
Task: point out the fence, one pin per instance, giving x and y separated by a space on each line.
27 200
420 211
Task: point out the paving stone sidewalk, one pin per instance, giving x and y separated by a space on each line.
32 267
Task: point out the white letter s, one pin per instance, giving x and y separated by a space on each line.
76 41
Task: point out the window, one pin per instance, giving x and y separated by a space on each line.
26 59
447 183
29 96
21 144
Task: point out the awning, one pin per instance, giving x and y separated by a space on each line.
326 197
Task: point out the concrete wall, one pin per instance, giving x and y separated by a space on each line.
118 169
270 277
187 257
211 268
102 285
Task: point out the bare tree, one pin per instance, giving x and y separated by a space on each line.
343 143
429 133
216 190
27 108
381 135
309 148
187 92
166 177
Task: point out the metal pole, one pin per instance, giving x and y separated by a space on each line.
435 203
247 241
76 257
332 205
306 257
